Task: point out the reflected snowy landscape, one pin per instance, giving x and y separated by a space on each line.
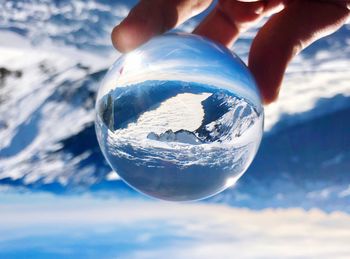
59 197
176 140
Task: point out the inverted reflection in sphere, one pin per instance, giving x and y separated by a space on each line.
180 118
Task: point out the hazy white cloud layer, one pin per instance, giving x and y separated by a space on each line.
148 229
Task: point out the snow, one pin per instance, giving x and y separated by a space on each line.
35 121
183 111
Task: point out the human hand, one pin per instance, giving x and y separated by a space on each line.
294 25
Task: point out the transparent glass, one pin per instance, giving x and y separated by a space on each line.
180 118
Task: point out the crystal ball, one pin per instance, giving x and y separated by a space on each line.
180 118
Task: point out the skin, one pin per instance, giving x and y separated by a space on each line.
294 25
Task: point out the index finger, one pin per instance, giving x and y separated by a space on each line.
152 17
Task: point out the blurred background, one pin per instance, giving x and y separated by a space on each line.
59 198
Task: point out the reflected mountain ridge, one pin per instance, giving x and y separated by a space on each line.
122 106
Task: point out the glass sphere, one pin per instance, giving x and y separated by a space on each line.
180 118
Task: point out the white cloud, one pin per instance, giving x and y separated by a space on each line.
192 230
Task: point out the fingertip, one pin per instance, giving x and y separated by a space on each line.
267 66
125 37
268 83
269 97
115 35
134 30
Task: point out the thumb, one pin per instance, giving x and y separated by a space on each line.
285 34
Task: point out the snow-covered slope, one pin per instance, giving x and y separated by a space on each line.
303 165
53 54
46 96
83 24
